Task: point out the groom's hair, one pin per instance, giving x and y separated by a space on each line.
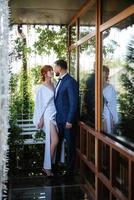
61 63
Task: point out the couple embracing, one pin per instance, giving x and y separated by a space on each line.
56 111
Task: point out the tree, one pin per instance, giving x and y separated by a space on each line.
126 99
51 40
23 101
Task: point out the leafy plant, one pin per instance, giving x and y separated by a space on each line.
52 40
35 74
39 135
21 48
126 99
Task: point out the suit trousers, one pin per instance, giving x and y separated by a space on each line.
70 148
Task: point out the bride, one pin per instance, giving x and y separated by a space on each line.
110 114
44 116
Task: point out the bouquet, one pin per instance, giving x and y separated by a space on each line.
39 135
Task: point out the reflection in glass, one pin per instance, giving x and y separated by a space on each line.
112 8
110 115
118 48
87 82
73 64
88 21
73 33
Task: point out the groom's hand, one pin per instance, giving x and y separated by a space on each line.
68 125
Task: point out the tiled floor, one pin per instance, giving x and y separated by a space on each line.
50 193
56 188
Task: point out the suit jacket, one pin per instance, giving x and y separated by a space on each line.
66 100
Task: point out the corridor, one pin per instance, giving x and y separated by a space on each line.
96 38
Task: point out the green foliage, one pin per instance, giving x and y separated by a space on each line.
73 34
35 75
21 101
14 137
109 49
25 93
15 103
126 99
39 135
52 40
13 97
21 48
89 47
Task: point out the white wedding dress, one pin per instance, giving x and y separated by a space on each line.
44 104
110 107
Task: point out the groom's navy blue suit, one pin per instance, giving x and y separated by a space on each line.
66 102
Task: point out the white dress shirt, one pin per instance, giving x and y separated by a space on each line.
58 83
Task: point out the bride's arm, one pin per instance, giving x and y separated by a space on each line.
41 122
38 116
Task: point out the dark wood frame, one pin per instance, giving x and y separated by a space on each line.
100 179
95 168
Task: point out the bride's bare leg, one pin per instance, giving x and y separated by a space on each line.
54 139
54 142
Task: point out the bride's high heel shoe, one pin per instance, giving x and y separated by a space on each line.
47 172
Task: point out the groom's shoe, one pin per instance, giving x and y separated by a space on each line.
55 168
58 169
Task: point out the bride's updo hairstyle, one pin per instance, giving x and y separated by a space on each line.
44 70
106 69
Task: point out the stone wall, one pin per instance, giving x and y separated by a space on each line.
4 91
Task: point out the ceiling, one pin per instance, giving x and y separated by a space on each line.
43 11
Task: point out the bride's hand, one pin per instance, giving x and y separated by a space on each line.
41 123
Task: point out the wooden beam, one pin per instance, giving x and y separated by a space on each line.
98 87
85 38
130 180
82 40
88 4
118 18
77 50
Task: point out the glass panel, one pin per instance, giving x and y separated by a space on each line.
88 175
91 148
104 159
84 142
87 82
112 8
73 63
132 180
73 34
114 198
118 80
88 21
120 172
103 192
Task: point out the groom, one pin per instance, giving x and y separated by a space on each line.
66 102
